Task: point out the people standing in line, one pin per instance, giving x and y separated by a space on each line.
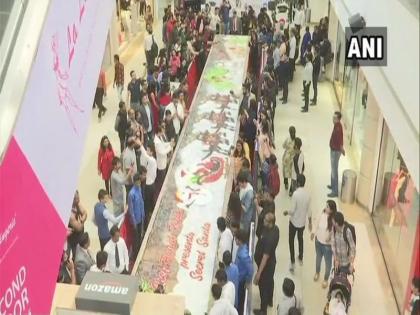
298 164
148 157
177 112
316 65
101 259
232 273
151 92
228 288
105 156
133 91
245 267
265 258
101 217
235 24
118 261
225 238
137 214
289 300
336 150
224 14
221 306
323 235
83 260
99 94
292 53
284 70
121 125
163 148
76 224
299 20
343 245
265 204
118 77
307 80
130 161
246 194
118 181
298 213
289 152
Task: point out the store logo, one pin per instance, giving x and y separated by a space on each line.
367 47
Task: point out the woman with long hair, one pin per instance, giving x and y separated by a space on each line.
238 155
288 146
105 156
76 224
234 208
323 235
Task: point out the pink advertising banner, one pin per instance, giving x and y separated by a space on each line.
39 173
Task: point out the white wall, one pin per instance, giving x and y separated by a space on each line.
396 87
319 9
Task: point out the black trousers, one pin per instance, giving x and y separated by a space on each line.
160 177
291 68
108 186
99 97
292 234
103 242
149 201
266 286
122 142
306 93
142 7
138 238
315 88
241 297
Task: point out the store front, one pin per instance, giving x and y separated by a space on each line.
396 215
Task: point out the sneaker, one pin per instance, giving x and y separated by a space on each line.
304 111
300 262
286 186
332 195
316 277
324 284
313 103
292 268
329 187
284 102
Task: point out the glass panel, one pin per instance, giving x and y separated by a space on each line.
395 215
339 64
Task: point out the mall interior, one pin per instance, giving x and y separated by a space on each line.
186 112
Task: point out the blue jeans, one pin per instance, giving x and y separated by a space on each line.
226 28
335 158
325 251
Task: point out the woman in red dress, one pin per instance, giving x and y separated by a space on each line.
105 156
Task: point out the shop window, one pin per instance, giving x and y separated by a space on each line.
395 215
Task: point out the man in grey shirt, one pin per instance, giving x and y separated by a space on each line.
118 180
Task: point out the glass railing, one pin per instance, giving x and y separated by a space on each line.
412 6
11 14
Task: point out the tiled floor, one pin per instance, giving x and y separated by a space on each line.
372 293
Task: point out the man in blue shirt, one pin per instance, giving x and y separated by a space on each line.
136 211
103 215
224 15
245 267
232 273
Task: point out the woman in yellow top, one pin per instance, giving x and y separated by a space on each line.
289 152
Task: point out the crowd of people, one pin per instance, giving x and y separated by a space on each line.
149 122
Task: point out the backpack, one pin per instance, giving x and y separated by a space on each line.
353 234
274 181
154 50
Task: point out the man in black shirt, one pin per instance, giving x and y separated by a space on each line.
265 258
316 69
133 89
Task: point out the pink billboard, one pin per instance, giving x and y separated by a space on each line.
39 173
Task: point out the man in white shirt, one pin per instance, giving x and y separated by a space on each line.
118 261
177 112
307 80
148 41
298 213
163 148
226 238
149 161
228 288
101 259
292 52
299 19
214 20
221 306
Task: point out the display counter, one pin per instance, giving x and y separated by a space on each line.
180 245
145 303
